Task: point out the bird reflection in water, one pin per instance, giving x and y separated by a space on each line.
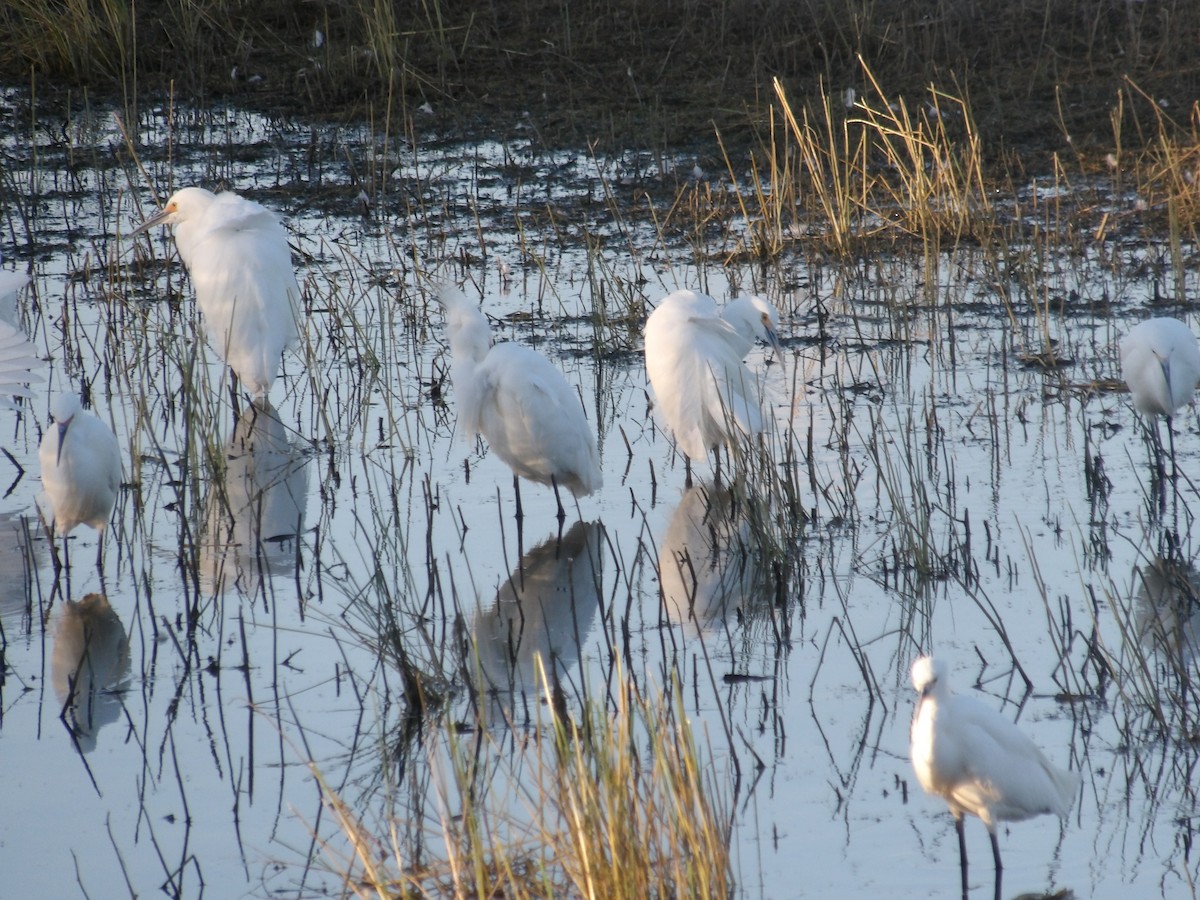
20 557
88 666
1168 607
256 512
544 609
706 566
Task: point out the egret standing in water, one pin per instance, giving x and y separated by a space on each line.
237 255
694 354
979 762
81 469
1160 361
521 403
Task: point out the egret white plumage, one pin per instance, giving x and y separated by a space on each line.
237 255
1160 361
17 358
979 762
81 467
521 403
694 354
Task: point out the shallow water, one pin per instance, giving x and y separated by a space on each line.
961 500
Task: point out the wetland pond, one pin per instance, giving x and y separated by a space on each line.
272 582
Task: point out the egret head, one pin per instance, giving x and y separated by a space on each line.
755 318
182 205
63 408
928 674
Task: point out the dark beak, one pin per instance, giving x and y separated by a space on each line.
62 436
156 219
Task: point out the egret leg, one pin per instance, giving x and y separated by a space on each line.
517 491
1171 443
996 859
687 471
562 513
962 853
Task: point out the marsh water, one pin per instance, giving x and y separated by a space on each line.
968 481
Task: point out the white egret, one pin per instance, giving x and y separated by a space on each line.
17 358
979 762
521 403
1160 361
237 255
694 356
81 468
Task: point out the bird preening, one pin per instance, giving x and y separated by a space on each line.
694 359
237 255
979 762
521 403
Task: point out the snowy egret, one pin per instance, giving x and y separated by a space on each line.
81 468
237 255
521 403
1160 361
17 358
694 356
979 762
89 662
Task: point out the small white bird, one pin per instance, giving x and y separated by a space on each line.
694 356
1160 361
979 762
81 467
521 403
17 358
237 255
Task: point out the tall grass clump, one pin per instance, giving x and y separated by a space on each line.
874 167
638 807
618 805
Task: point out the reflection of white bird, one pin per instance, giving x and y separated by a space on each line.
1168 608
705 565
256 512
17 357
10 287
237 255
521 403
979 762
81 467
694 356
1160 361
89 662
544 609
20 557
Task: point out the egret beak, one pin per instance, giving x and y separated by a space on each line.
62 436
773 340
157 219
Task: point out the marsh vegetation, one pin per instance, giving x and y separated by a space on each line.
328 659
